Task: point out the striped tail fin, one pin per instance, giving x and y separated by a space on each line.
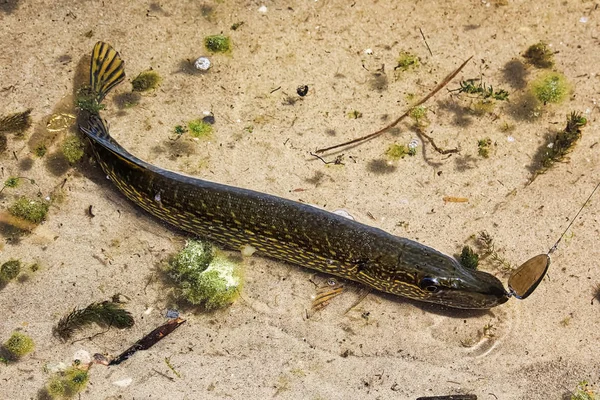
96 128
106 69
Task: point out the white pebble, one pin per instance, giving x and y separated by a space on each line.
83 356
369 51
123 382
510 139
344 214
248 250
202 64
583 20
53 367
262 9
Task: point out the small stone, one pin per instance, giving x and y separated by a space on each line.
413 144
344 214
202 64
82 356
123 382
248 250
54 367
209 119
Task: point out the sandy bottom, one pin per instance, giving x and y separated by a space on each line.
263 345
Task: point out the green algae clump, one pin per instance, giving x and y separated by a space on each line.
40 150
145 81
419 114
72 148
539 55
199 128
11 182
217 43
19 345
583 391
483 146
204 276
9 270
550 88
30 210
67 384
87 100
397 151
406 61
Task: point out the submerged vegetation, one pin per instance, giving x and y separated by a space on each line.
9 271
12 182
204 276
72 148
487 248
105 314
479 88
3 143
180 130
18 345
583 391
550 88
40 150
67 383
483 146
30 210
16 123
397 151
86 99
406 61
419 115
198 128
539 55
145 81
469 258
217 43
561 145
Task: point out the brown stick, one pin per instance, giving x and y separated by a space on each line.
400 118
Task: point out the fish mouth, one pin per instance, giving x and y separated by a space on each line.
479 290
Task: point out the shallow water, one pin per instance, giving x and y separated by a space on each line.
263 345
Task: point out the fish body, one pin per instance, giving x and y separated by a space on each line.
280 228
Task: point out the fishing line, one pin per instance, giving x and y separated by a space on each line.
529 275
553 248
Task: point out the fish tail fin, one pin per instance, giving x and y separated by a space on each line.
106 70
96 129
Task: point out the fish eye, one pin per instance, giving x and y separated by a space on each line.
430 285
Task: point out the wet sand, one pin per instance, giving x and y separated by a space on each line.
263 346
